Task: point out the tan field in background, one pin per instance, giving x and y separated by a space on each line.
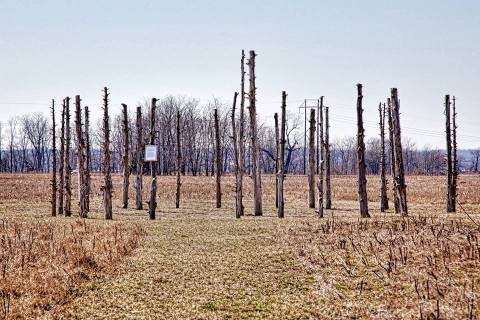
200 262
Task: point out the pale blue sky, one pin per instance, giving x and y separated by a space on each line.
50 49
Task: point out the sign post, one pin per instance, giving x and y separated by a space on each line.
150 153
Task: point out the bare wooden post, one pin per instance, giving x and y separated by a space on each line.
277 148
362 180
235 142
139 154
179 162
311 160
80 159
454 157
68 169
152 203
54 163
392 156
107 184
321 168
218 161
383 180
281 158
241 134
399 169
126 161
88 154
256 174
61 163
450 202
328 186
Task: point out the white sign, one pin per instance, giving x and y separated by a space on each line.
150 153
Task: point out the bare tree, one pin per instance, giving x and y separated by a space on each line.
35 127
257 176
107 183
12 125
54 163
362 180
383 179
126 161
475 156
281 158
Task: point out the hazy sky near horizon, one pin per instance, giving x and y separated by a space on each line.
139 49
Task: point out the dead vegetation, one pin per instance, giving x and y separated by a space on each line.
44 264
389 268
200 262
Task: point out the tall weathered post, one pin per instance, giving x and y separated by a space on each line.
277 148
397 147
139 155
178 162
107 183
68 169
311 160
88 154
125 159
80 159
383 179
218 161
454 156
61 163
392 156
362 180
152 203
328 184
54 163
321 169
450 202
256 174
281 158
241 134
238 182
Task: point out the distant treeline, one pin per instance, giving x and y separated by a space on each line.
25 143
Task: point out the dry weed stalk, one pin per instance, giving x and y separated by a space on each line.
43 264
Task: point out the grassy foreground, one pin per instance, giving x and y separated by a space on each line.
200 263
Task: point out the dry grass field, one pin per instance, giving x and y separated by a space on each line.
199 262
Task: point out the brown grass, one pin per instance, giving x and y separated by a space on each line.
199 262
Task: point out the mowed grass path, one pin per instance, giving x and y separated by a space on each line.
205 267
